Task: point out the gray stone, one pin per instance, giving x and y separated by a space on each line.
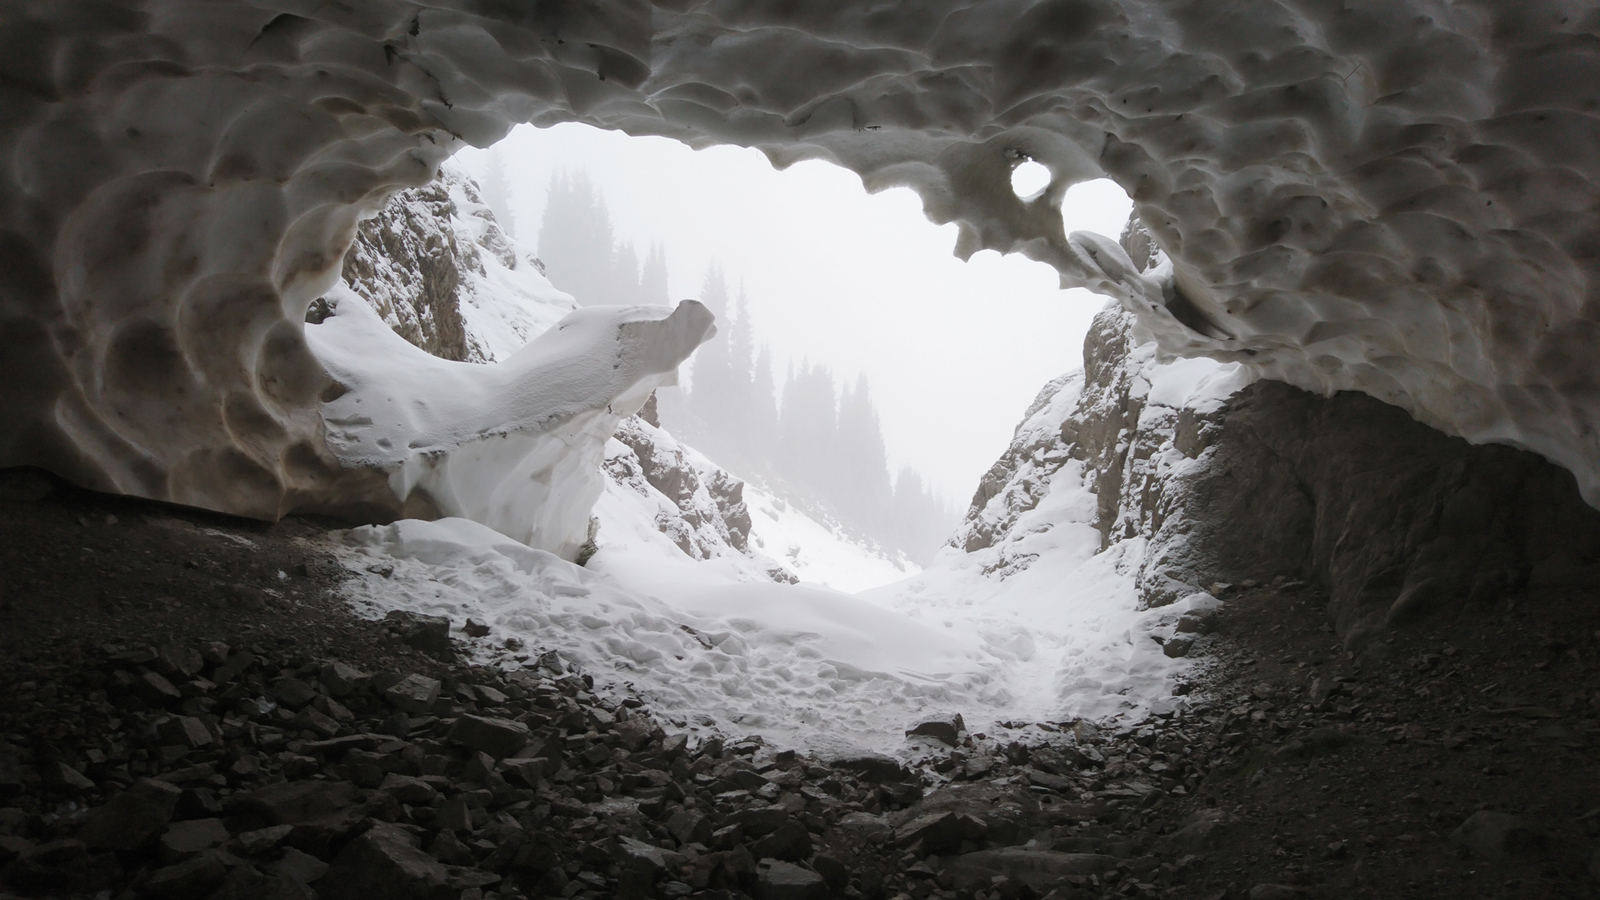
946 730
476 628
778 880
156 690
386 862
1275 892
292 692
640 864
311 719
1496 835
937 832
690 827
1178 646
413 694
498 738
322 812
877 769
184 840
527 772
789 842
298 866
408 790
430 634
864 825
260 840
68 777
833 870
342 680
1039 869
190 880
131 818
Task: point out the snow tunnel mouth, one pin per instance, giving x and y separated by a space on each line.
821 289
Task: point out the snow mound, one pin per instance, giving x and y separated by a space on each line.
515 445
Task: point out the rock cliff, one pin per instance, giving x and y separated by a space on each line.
1222 479
435 265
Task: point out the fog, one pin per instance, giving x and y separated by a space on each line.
862 283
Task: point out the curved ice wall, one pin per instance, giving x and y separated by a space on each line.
1396 196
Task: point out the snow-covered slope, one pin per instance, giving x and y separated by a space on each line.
1030 571
818 550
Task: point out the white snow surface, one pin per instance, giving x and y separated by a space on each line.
1043 626
819 552
801 665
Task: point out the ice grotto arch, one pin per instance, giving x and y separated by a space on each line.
1396 197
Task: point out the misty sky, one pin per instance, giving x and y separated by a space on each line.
955 351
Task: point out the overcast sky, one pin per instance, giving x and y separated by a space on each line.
954 351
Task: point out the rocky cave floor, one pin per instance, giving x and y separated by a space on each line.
190 712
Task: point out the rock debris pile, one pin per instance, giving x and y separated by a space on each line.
196 770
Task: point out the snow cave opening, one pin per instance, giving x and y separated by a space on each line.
829 300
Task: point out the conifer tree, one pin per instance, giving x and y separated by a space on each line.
497 193
653 277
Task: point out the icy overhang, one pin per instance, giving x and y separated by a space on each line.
1397 197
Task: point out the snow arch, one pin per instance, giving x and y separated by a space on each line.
1391 196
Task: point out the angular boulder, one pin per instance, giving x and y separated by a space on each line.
498 738
132 818
386 862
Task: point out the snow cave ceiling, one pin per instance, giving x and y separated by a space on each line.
1397 197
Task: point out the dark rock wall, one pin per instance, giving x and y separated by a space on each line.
1396 520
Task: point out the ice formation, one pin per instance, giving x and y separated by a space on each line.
1391 196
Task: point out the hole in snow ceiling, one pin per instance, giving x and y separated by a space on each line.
1029 178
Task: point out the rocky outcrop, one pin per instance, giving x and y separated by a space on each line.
701 506
1395 520
436 266
406 265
